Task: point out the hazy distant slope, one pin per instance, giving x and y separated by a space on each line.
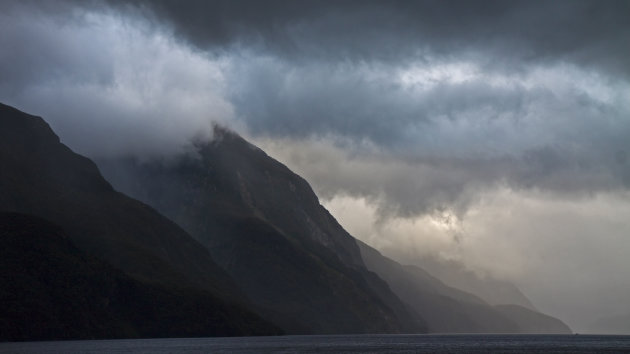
265 226
42 177
493 291
52 290
447 309
533 322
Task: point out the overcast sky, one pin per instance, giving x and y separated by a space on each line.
495 133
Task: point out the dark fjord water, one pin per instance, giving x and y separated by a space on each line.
339 344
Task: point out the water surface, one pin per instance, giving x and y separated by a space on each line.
339 344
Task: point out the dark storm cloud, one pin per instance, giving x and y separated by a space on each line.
317 69
550 130
365 102
591 33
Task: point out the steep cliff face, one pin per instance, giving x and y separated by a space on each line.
53 290
265 226
42 177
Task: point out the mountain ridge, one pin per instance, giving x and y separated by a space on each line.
229 192
230 183
40 176
244 230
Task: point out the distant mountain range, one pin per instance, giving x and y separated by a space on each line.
249 251
494 291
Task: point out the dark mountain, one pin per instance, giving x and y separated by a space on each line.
52 290
450 310
264 225
42 177
106 265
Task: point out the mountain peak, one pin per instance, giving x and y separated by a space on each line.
265 226
42 177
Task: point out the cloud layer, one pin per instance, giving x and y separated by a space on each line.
497 32
107 84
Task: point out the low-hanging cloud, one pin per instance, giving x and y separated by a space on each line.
432 147
109 85
557 251
373 102
114 82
